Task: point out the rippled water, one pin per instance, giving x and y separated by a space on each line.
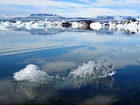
52 57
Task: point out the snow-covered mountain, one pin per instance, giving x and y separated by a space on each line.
53 17
116 17
138 17
32 17
40 14
105 17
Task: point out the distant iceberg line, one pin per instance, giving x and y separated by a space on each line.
90 70
131 26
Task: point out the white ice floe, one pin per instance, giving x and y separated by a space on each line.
32 73
96 25
83 71
91 69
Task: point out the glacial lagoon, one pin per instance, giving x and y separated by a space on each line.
69 67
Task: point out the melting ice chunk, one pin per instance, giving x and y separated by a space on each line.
83 71
91 69
32 73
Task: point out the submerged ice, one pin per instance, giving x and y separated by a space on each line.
89 70
32 73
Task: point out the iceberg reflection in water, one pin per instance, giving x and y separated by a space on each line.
31 90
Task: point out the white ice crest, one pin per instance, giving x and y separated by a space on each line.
32 73
91 69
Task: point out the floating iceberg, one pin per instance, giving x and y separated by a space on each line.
83 71
93 70
90 73
31 73
96 25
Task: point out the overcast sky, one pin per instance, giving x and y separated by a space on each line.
71 8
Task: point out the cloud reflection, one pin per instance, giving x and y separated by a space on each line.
21 42
58 66
100 100
119 48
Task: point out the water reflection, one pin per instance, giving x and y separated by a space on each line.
55 31
24 42
59 56
31 82
32 89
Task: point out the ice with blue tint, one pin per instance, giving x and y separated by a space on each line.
83 71
94 70
31 73
89 70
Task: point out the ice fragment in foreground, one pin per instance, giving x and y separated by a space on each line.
91 69
32 73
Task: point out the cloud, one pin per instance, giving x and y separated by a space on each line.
115 2
41 3
83 8
32 6
103 11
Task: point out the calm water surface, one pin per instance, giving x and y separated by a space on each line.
58 53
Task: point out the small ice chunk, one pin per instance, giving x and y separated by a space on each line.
32 73
84 70
91 69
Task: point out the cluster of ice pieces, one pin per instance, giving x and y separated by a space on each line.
89 70
31 73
